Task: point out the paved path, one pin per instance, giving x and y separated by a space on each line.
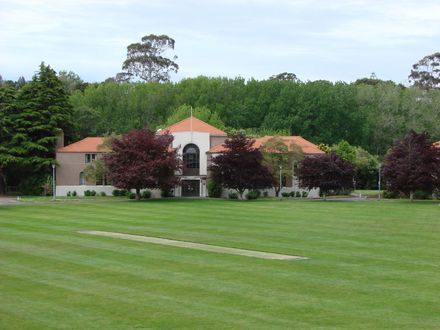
7 200
195 246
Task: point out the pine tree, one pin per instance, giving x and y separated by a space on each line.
40 111
7 97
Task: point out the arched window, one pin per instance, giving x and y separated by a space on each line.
82 180
191 159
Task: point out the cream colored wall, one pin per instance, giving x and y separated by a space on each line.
201 140
70 165
216 140
63 190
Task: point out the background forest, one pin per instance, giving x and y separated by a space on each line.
369 113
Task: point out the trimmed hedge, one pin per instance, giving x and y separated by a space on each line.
146 194
233 195
214 189
253 194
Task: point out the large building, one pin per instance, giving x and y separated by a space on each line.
197 141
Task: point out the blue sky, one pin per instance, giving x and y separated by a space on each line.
333 40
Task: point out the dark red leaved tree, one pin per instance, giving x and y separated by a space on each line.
328 172
141 159
411 164
436 173
240 166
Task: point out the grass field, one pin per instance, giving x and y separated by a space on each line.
372 265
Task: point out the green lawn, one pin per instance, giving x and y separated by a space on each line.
372 265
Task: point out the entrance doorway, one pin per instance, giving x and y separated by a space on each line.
190 188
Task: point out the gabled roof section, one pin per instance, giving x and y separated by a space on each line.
193 124
88 144
306 146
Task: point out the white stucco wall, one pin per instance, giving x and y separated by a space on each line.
313 193
201 140
63 190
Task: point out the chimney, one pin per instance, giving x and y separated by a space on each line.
60 140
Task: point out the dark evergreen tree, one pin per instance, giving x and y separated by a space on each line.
7 97
39 113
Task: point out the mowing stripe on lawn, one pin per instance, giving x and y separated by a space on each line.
195 246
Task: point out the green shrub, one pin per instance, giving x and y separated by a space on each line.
166 192
116 193
124 192
48 187
90 193
146 194
285 194
292 194
131 195
69 194
103 194
252 194
74 193
304 194
233 195
214 189
390 194
420 194
32 186
265 194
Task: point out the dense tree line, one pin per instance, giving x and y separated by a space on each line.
369 113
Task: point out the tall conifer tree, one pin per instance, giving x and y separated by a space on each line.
40 111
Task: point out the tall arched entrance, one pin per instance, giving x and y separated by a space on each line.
191 168
191 160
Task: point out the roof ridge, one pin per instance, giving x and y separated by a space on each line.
198 122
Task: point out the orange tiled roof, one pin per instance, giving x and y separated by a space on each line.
197 126
306 146
88 144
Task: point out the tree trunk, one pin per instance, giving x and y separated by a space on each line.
277 191
411 196
2 184
138 194
240 192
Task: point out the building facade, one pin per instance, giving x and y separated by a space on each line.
197 143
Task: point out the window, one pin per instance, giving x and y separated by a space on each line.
82 180
90 158
191 160
284 181
191 156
